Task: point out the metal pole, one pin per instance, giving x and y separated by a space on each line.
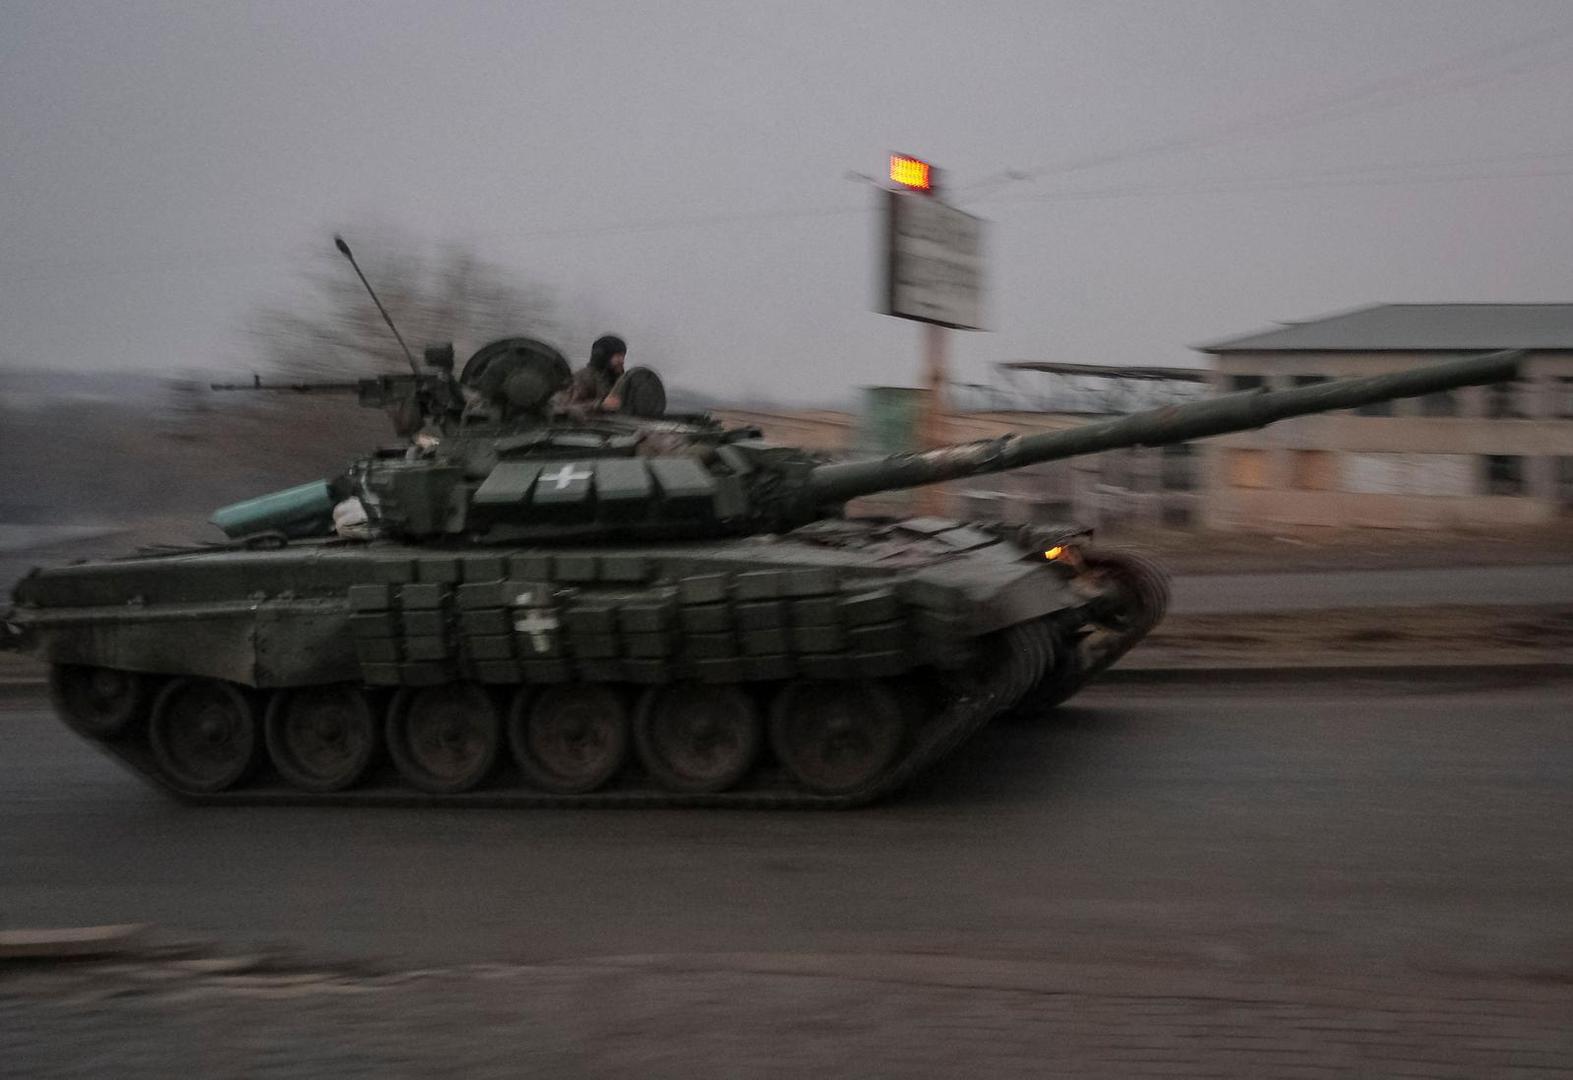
933 431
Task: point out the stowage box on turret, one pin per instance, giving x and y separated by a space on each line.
533 604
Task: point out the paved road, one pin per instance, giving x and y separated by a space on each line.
1343 827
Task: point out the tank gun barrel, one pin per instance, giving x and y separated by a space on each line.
1242 411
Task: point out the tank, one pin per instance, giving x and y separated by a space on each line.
526 603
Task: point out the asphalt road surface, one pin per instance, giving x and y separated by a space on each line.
1420 827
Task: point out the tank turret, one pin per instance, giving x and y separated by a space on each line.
569 479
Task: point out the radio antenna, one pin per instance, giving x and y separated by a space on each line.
344 249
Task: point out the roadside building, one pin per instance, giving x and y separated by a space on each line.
1473 458
1140 487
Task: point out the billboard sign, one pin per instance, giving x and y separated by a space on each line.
933 261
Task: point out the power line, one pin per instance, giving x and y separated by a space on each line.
1309 178
1356 176
1280 183
1443 77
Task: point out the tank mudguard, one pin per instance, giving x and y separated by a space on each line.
261 644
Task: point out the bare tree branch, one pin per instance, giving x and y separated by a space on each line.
449 294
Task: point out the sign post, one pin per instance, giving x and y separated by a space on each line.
934 275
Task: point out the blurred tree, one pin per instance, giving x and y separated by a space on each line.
434 293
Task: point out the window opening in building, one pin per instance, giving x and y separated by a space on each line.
1564 473
1563 407
1177 467
1246 382
1504 474
1312 470
1439 403
1246 468
1116 471
1502 401
1176 515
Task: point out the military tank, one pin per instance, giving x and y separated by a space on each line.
524 603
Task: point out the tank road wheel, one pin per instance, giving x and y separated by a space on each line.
697 738
1065 675
444 739
836 738
321 738
569 739
99 702
204 734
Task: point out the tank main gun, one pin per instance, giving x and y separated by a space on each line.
341 387
836 483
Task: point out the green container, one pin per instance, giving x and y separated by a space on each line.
889 422
306 510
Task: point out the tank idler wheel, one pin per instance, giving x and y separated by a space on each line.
837 737
444 739
99 702
697 738
569 739
1140 580
321 738
204 734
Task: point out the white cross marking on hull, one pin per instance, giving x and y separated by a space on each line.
565 476
539 625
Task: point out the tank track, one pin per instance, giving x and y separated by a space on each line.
1008 664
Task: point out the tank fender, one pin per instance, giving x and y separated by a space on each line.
254 643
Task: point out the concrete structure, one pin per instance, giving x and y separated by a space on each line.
1478 458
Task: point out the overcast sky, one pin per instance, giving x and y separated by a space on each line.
1196 170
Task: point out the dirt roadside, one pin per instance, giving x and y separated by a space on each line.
1357 637
775 1015
1297 550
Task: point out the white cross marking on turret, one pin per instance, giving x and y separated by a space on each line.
565 476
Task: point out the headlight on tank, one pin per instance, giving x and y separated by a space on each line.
1064 556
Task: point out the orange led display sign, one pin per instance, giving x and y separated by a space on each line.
909 172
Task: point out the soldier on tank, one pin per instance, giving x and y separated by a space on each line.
596 382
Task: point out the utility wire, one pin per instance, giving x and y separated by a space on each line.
1393 175
1455 73
1267 183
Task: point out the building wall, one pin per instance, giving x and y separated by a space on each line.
1504 458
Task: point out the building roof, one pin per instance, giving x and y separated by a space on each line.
1416 327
